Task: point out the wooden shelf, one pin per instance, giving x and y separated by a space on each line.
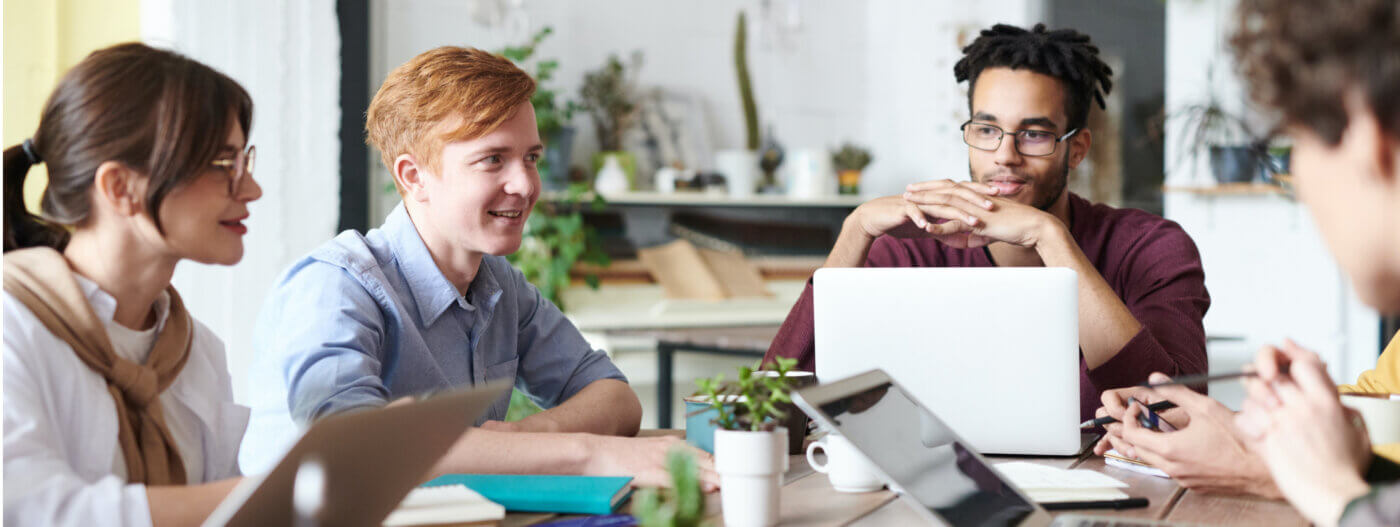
700 199
1230 189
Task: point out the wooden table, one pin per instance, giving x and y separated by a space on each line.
809 500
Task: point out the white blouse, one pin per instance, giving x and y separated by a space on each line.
62 462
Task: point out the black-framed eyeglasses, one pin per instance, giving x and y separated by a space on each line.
1036 143
237 168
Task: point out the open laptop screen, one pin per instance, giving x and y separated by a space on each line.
925 458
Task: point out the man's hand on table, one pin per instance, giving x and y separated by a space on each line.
644 458
1315 448
1206 452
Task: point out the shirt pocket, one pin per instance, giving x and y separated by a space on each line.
503 370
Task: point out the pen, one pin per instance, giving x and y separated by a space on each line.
1156 407
1127 503
1203 378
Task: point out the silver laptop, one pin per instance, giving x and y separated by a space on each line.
994 351
365 462
939 475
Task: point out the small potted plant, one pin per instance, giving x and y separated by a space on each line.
740 166
750 446
609 96
849 161
1206 127
682 505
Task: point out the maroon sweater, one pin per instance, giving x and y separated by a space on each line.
1149 261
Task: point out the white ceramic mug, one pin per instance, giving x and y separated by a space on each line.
1382 415
847 468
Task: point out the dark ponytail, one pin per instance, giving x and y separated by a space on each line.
23 228
158 112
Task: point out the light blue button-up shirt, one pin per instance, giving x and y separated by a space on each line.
365 319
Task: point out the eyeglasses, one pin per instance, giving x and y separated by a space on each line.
1036 143
237 167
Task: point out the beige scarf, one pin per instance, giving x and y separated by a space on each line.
41 279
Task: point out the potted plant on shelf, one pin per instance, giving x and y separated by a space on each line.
682 505
1207 128
551 116
609 96
750 446
740 167
849 161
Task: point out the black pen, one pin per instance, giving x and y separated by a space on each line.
1156 407
1126 503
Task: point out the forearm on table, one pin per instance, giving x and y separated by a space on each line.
482 451
1105 324
605 406
188 504
852 245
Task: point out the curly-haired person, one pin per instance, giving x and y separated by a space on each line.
1329 70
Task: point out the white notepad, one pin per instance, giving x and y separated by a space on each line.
1046 484
453 504
1115 459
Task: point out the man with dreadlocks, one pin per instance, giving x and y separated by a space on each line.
1141 288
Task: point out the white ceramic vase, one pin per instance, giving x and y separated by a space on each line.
809 174
750 466
740 170
611 178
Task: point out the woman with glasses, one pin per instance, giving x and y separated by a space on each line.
118 407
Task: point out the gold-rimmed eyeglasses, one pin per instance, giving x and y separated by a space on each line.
237 168
1036 143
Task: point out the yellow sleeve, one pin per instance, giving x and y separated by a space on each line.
1384 378
1390 451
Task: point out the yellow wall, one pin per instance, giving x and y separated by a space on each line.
42 39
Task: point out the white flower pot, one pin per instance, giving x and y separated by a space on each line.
612 179
750 466
740 169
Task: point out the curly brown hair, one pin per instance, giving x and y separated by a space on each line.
1302 59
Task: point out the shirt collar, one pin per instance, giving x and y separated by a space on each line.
105 307
485 289
431 291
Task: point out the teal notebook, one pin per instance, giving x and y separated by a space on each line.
558 494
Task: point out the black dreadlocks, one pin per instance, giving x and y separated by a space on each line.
1065 54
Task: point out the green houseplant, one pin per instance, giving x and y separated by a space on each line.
556 238
849 161
741 166
609 97
682 505
750 446
551 115
1208 128
756 397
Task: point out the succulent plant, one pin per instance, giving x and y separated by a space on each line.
850 157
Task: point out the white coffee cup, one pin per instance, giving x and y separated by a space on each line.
1382 415
847 468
